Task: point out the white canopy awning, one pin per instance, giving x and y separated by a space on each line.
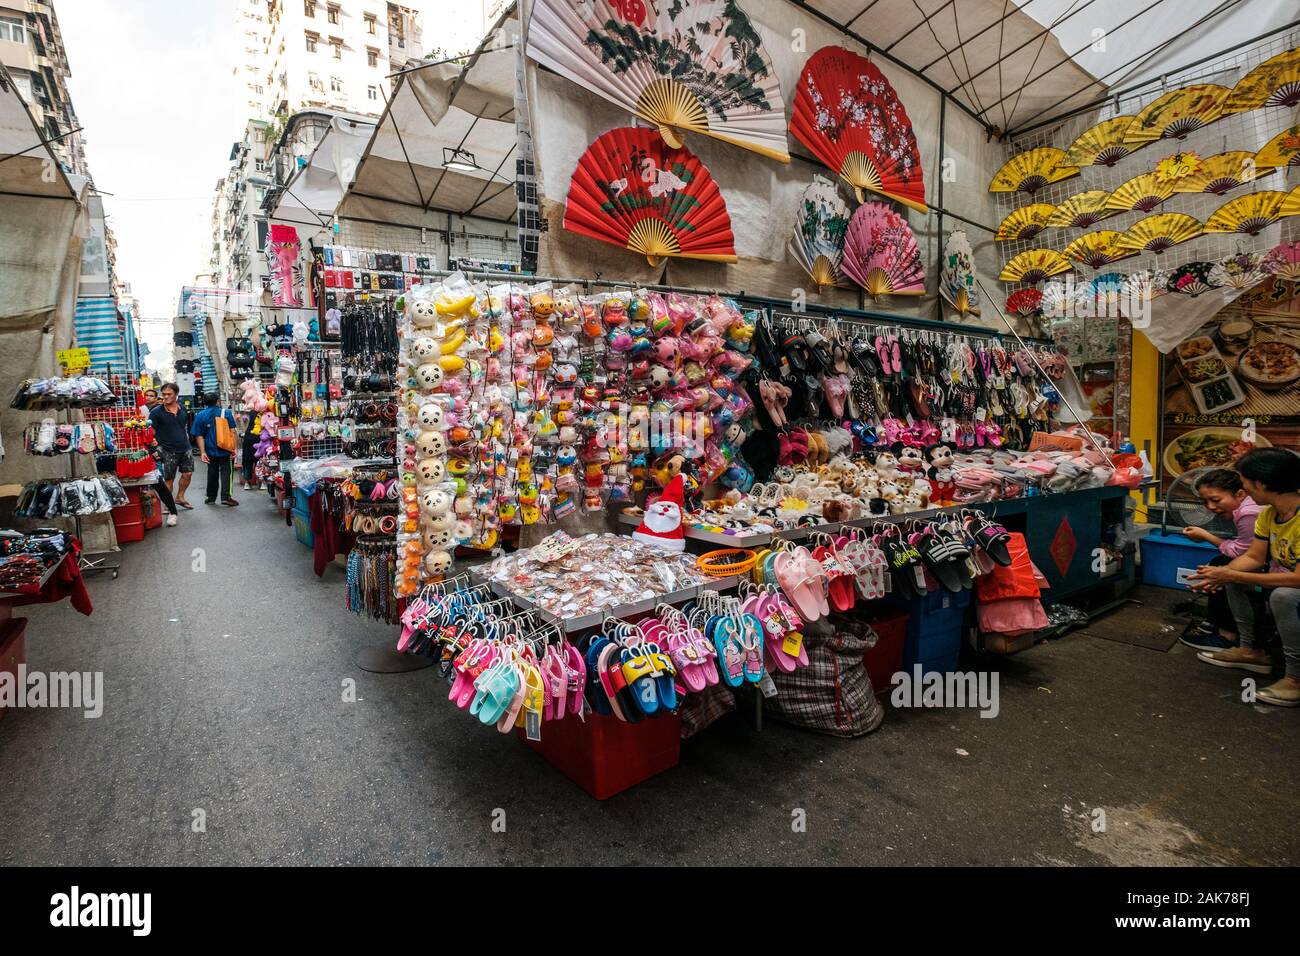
437 111
1015 64
312 196
27 166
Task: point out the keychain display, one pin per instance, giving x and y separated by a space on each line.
528 402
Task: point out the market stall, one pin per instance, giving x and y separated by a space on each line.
770 348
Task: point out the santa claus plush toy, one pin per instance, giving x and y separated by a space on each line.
662 524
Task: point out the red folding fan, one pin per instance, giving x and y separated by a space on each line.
632 189
850 118
1025 302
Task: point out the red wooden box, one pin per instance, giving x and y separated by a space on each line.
604 755
886 659
13 648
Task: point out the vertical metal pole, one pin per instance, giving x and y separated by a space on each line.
938 272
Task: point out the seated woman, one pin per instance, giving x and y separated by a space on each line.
1272 477
1233 608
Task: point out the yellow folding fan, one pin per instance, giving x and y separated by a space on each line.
1275 82
1158 233
1176 114
1034 265
1081 210
1100 145
1025 222
1224 171
1248 214
1282 150
1096 249
1032 170
1142 193
1291 205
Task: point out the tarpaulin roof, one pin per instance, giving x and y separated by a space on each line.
434 110
310 198
1015 64
27 166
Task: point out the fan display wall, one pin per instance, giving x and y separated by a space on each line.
762 194
1095 344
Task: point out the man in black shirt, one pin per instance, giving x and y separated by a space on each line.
171 428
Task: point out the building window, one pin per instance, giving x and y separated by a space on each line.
314 82
12 30
312 40
309 8
337 44
336 84
371 25
372 92
372 57
333 14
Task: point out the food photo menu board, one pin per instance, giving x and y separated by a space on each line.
1234 384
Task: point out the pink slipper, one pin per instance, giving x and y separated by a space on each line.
790 575
576 669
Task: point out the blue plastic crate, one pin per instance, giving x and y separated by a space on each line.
934 629
302 528
301 501
1169 559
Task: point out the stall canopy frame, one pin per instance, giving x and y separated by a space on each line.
1009 65
438 110
28 166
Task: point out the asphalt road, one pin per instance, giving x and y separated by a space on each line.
224 694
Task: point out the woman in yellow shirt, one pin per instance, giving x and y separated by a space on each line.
1272 477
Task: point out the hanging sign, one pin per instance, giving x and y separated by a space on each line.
73 359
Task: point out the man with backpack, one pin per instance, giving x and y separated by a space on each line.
214 427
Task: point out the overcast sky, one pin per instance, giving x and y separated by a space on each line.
152 86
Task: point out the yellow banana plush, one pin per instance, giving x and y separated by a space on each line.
454 341
451 364
454 306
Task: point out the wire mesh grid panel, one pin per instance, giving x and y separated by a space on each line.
468 245
1240 134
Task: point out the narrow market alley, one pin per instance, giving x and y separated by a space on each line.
224 694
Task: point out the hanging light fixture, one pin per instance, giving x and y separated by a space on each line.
460 160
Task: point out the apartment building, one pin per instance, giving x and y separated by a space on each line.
334 54
31 48
238 224
299 63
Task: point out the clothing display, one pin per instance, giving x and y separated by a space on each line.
25 557
76 391
74 497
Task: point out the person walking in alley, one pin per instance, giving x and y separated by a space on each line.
214 427
170 423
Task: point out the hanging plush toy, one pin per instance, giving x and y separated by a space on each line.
943 484
662 524
251 396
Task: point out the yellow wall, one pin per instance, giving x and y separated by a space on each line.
1145 405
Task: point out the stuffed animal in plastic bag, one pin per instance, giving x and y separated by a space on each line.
251 396
266 443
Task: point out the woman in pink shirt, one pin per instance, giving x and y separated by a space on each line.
1232 609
